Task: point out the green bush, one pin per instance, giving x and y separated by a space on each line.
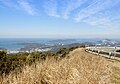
12 61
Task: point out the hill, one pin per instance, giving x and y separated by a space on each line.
78 67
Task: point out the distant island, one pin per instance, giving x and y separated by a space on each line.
63 40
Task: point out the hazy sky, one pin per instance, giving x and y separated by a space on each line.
60 18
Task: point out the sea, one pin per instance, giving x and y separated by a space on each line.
14 43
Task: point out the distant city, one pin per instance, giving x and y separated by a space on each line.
40 45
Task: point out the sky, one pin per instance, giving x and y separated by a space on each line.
59 18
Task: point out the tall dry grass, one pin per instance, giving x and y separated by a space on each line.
79 68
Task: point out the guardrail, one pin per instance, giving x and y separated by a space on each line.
110 51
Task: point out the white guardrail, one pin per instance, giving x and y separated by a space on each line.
110 51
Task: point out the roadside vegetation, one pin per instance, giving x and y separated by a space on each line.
67 66
9 62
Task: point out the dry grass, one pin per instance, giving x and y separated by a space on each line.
115 77
79 68
115 66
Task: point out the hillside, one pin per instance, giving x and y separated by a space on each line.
115 66
79 67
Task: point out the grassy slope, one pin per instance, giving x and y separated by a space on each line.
79 68
115 65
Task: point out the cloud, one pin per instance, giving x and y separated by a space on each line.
18 5
95 21
94 8
50 7
105 19
100 13
71 6
27 7
98 19
93 12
